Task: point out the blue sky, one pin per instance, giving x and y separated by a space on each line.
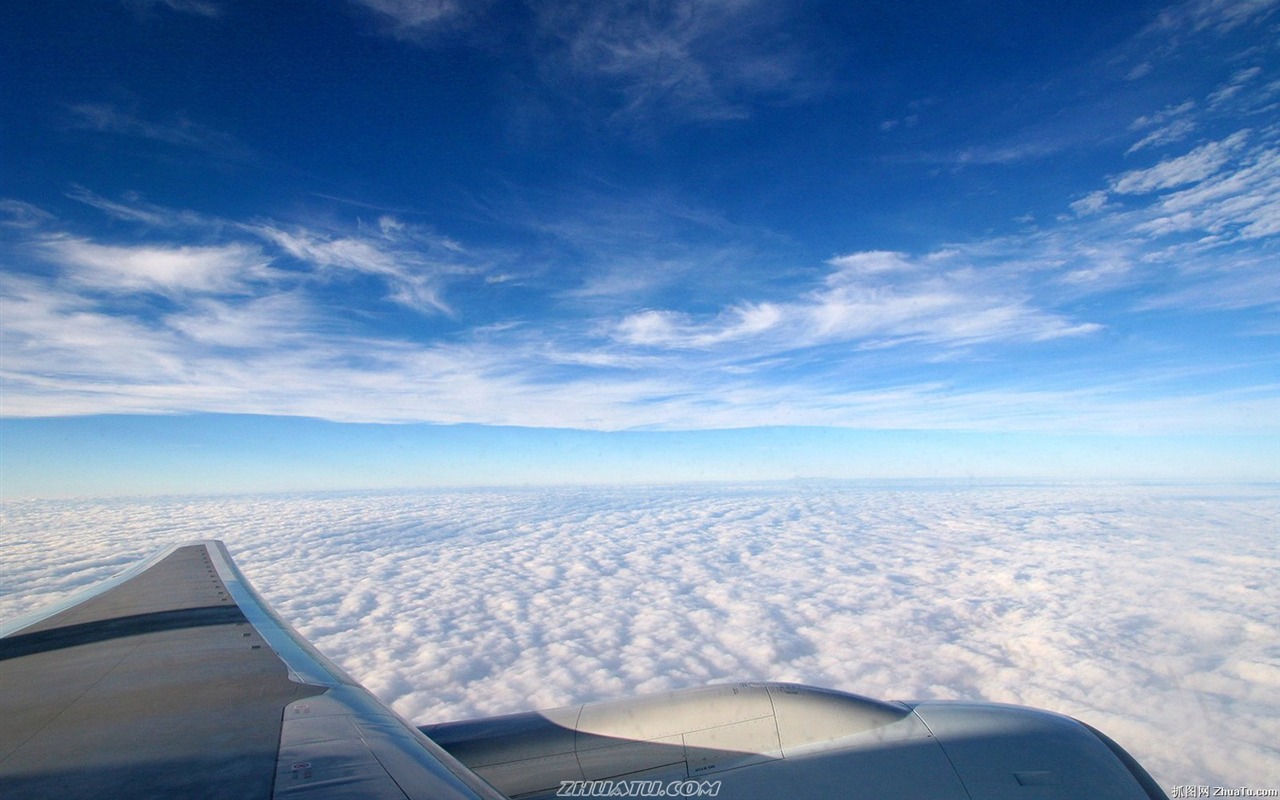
395 243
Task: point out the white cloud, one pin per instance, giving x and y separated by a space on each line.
1099 266
62 353
203 8
1192 167
872 299
134 209
166 270
1254 283
22 215
1091 203
1243 203
1176 131
412 272
1139 71
413 261
673 329
278 354
415 13
1234 85
1191 215
420 19
1217 15
106 118
275 321
1145 611
674 59
1162 116
694 60
275 354
1029 148
874 262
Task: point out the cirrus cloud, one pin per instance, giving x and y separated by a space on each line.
872 299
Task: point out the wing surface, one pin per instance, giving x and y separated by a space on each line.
175 679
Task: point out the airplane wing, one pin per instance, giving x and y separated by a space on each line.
175 679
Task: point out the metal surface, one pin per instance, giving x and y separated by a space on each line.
175 679
999 751
755 740
764 741
143 691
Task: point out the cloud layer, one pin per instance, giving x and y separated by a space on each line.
1149 612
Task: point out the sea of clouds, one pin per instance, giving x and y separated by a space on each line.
1151 612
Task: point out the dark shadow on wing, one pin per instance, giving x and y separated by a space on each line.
83 633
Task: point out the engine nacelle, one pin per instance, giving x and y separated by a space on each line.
759 739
